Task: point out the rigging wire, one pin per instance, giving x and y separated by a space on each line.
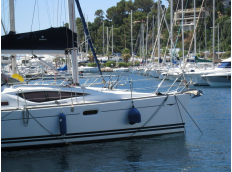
48 12
33 16
38 13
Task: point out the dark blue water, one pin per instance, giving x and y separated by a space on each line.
190 151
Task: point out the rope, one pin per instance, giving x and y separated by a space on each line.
33 16
44 127
180 112
26 123
157 110
8 113
189 115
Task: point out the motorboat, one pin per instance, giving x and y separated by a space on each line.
218 79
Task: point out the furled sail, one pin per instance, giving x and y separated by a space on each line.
49 41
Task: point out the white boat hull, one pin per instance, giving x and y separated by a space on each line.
111 121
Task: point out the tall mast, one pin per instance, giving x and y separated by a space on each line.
143 38
12 31
182 5
12 16
132 40
140 45
147 37
103 40
112 39
153 30
218 38
171 17
86 43
213 32
159 30
205 39
72 27
107 41
195 38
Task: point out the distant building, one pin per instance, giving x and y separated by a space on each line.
188 23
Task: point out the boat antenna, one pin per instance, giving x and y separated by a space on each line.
88 37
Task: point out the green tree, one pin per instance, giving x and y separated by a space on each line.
126 55
91 58
100 14
108 54
144 5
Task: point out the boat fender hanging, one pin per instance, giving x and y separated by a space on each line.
63 127
134 116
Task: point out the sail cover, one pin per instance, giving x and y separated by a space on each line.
49 39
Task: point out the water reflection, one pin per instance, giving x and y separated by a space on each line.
144 154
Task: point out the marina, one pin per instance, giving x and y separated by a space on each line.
118 94
189 151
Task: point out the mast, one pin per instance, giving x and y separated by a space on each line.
103 52
140 45
107 41
159 31
132 40
213 32
143 38
182 5
205 39
86 43
218 38
147 38
72 27
12 31
195 38
153 31
171 6
112 39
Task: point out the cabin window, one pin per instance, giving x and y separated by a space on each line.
5 58
43 96
4 103
34 96
224 65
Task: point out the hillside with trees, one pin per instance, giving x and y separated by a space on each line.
119 17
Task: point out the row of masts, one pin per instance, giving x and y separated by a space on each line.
144 54
73 27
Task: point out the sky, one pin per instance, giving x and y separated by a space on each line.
49 13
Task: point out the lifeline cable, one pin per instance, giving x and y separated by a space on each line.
38 121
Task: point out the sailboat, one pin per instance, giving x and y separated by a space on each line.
38 115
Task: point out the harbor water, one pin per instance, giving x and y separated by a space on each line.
190 151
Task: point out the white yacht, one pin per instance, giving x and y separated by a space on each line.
38 115
221 76
218 79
